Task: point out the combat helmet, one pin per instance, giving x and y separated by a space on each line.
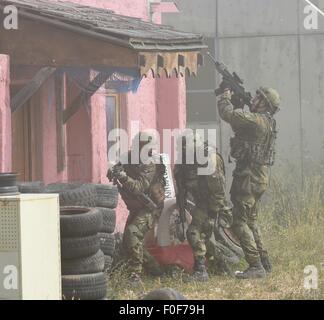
272 98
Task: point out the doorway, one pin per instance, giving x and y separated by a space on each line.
26 141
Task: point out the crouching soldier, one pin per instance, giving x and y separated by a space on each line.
141 186
208 194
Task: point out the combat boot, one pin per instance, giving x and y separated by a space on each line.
222 268
200 273
266 262
255 271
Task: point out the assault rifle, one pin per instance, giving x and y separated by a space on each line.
233 82
142 197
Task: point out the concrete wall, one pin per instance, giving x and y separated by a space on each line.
266 43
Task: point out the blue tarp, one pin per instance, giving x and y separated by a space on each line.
120 80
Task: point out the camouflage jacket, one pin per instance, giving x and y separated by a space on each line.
207 191
140 179
251 127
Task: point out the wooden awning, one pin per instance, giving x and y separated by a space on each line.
55 34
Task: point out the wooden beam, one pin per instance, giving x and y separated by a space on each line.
168 62
41 44
31 88
60 133
91 89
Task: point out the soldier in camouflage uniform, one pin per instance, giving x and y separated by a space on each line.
134 180
253 149
208 194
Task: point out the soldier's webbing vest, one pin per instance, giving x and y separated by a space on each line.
155 174
251 149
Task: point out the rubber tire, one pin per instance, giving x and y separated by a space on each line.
223 238
91 264
74 248
164 294
107 243
84 287
227 254
80 222
106 196
74 194
108 220
31 187
7 191
8 179
108 263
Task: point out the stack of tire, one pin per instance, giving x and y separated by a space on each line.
31 187
106 202
83 262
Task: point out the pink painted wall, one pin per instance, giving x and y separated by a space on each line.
48 141
159 103
5 115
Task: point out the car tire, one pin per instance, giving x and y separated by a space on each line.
74 194
80 221
225 237
31 187
106 196
9 191
226 253
108 263
107 243
84 286
108 220
91 264
73 248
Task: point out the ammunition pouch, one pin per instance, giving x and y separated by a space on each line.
252 152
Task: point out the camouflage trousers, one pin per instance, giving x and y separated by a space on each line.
245 196
138 224
199 233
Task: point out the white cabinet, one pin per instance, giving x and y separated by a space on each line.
30 260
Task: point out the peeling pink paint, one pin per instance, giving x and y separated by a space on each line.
5 115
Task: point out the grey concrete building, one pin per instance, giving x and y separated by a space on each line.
267 42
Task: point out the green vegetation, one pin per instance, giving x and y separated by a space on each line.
292 222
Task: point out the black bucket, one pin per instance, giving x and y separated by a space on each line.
8 184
